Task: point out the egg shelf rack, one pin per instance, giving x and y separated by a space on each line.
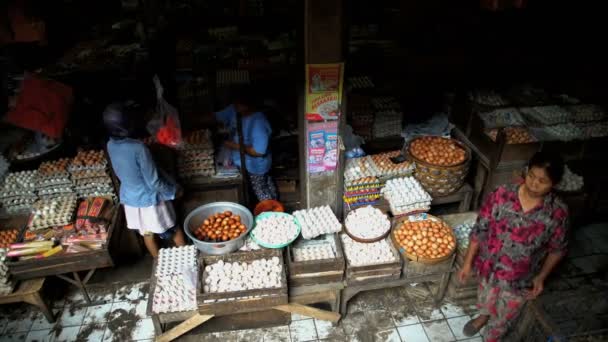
371 273
247 300
316 272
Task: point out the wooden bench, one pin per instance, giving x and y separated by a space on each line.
29 291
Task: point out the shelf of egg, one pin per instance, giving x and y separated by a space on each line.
561 132
375 261
230 289
586 113
317 221
176 277
90 175
406 195
19 191
195 157
317 261
594 130
361 185
54 212
7 285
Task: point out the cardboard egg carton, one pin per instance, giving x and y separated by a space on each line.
54 212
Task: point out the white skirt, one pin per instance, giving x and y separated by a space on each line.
156 219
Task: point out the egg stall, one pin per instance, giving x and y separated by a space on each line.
66 217
249 272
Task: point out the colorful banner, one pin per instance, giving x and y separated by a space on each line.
324 84
322 142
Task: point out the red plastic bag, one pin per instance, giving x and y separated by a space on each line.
42 106
165 125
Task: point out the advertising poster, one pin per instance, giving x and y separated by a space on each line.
324 84
322 142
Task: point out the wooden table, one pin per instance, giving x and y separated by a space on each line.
29 291
329 293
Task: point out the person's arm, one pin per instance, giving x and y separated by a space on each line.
151 176
557 249
478 234
248 148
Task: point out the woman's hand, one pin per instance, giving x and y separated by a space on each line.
464 273
231 145
538 285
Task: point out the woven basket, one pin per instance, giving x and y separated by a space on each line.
440 180
412 257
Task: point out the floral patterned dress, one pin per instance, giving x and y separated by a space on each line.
513 245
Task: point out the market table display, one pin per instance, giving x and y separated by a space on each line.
71 222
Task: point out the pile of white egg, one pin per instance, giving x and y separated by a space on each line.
317 221
7 285
249 245
176 277
367 223
4 165
223 277
462 234
362 254
570 181
320 251
406 195
275 230
21 180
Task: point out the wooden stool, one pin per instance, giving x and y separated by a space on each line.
28 291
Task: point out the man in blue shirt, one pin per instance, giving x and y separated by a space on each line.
256 137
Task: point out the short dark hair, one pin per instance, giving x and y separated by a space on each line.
552 163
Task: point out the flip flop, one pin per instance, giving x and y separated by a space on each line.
469 329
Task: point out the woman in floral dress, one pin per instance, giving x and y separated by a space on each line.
519 238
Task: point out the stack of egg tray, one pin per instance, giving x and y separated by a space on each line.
54 179
387 123
176 276
93 181
54 212
19 191
195 156
7 285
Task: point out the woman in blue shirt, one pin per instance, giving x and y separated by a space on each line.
144 193
256 136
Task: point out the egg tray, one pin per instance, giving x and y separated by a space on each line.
12 194
55 190
197 173
49 177
93 182
503 117
18 201
54 182
314 272
89 194
545 115
587 113
86 174
228 303
355 275
51 168
201 154
195 164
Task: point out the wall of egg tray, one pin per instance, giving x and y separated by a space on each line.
195 158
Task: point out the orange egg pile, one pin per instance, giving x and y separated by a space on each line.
426 239
7 237
220 227
438 151
514 135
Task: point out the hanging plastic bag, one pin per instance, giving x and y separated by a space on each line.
165 125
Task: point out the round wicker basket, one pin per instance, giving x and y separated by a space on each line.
402 250
439 180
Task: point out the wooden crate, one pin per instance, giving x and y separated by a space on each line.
72 262
242 301
316 271
371 273
412 269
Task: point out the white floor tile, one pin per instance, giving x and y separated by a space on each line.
132 292
303 330
144 329
41 323
413 333
68 334
326 330
401 320
74 298
438 331
15 337
122 308
296 317
457 324
277 334
39 336
390 335
429 314
97 314
72 316
21 323
450 310
91 332
140 308
474 339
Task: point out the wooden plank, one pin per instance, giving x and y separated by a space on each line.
317 297
184 327
248 320
310 312
23 289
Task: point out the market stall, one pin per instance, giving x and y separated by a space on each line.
61 219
